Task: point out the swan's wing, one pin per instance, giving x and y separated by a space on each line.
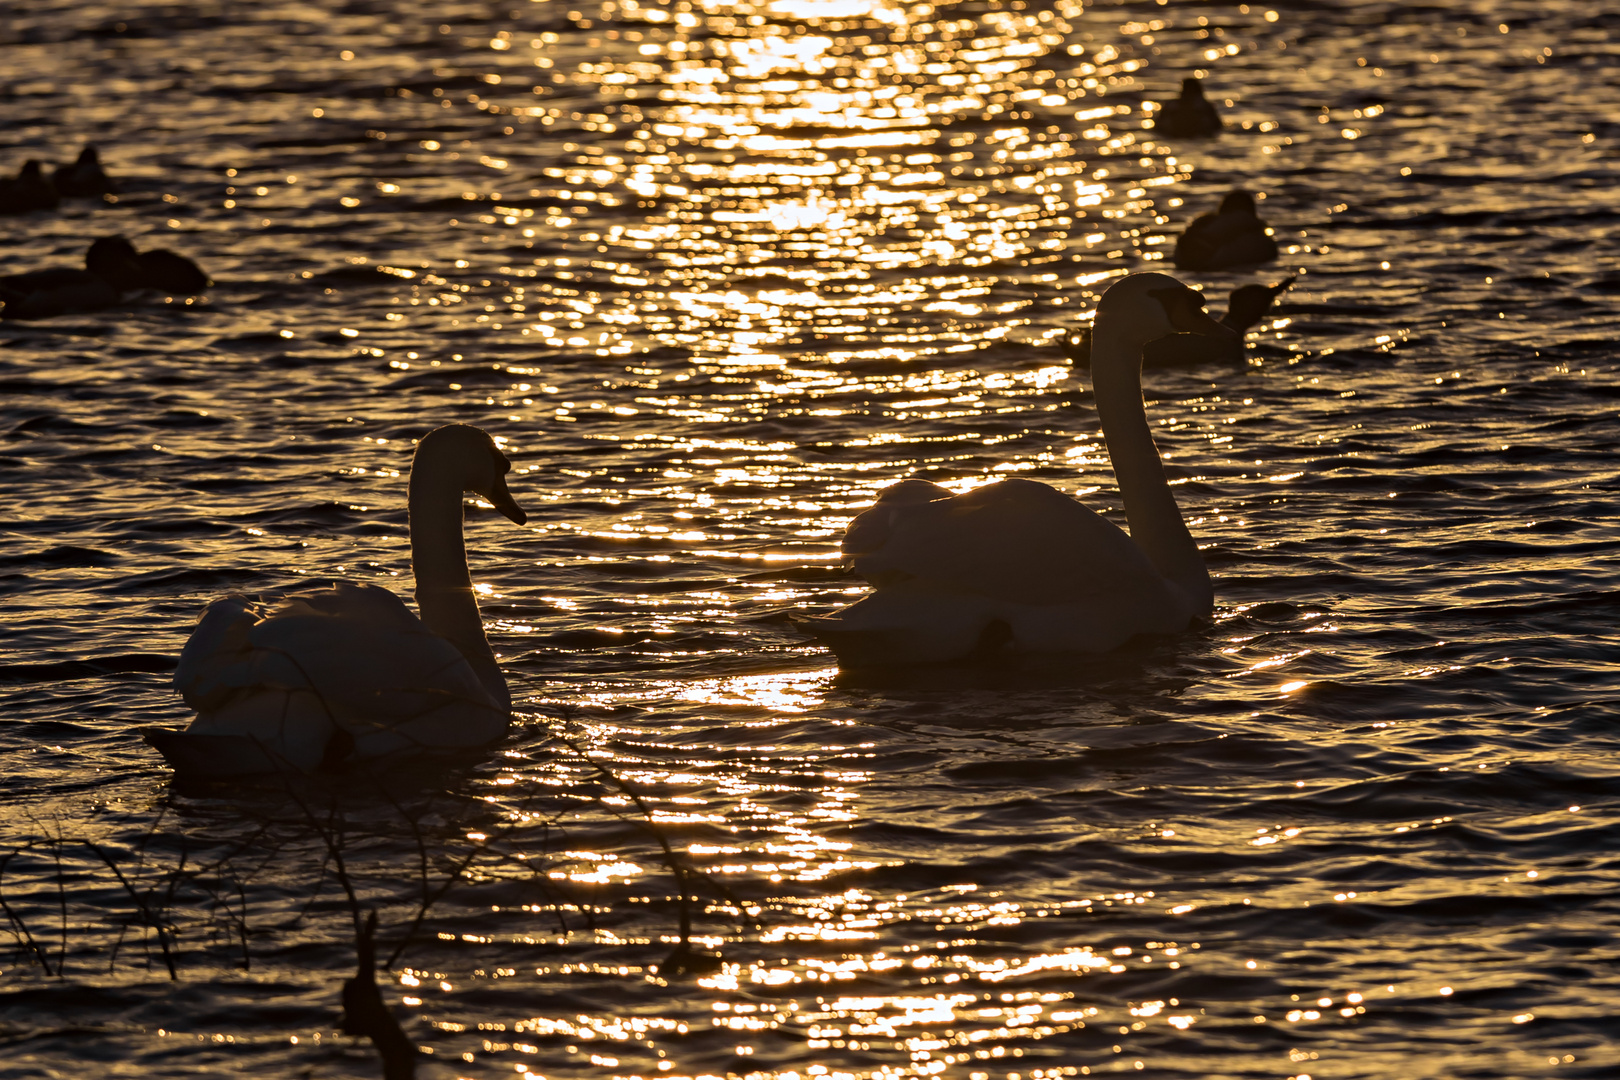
1016 541
872 527
212 665
371 664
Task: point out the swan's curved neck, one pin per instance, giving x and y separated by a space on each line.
444 592
1155 519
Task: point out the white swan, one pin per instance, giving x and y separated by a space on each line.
315 679
1021 565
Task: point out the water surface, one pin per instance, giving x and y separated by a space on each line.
715 273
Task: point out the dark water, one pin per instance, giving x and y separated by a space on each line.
716 273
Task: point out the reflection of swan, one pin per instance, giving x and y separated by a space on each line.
1190 116
319 678
1019 564
1247 305
1231 236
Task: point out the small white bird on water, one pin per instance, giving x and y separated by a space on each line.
1020 565
318 679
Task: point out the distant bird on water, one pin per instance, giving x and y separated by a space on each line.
171 274
1191 116
1232 236
113 270
84 177
27 191
1247 305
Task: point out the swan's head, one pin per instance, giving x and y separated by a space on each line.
470 455
1145 307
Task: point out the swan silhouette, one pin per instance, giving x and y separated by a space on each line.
1246 306
315 680
1019 565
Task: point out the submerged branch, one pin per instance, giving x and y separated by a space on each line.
366 1014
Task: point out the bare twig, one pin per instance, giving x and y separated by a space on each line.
142 903
681 959
678 957
365 1013
61 899
19 927
421 912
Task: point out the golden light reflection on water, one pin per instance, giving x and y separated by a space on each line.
714 237
841 203
814 151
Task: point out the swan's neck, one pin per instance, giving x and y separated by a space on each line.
1150 507
444 592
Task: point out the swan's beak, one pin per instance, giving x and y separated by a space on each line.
1191 320
501 499
1185 309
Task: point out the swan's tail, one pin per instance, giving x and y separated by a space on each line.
209 755
215 757
898 646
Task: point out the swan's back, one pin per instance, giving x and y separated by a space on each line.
1014 541
314 677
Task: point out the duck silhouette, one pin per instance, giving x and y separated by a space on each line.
27 191
1234 235
84 177
1246 306
113 270
172 274
1190 116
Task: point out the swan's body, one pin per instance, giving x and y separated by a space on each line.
1234 235
113 271
1020 565
1246 306
1190 116
317 679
